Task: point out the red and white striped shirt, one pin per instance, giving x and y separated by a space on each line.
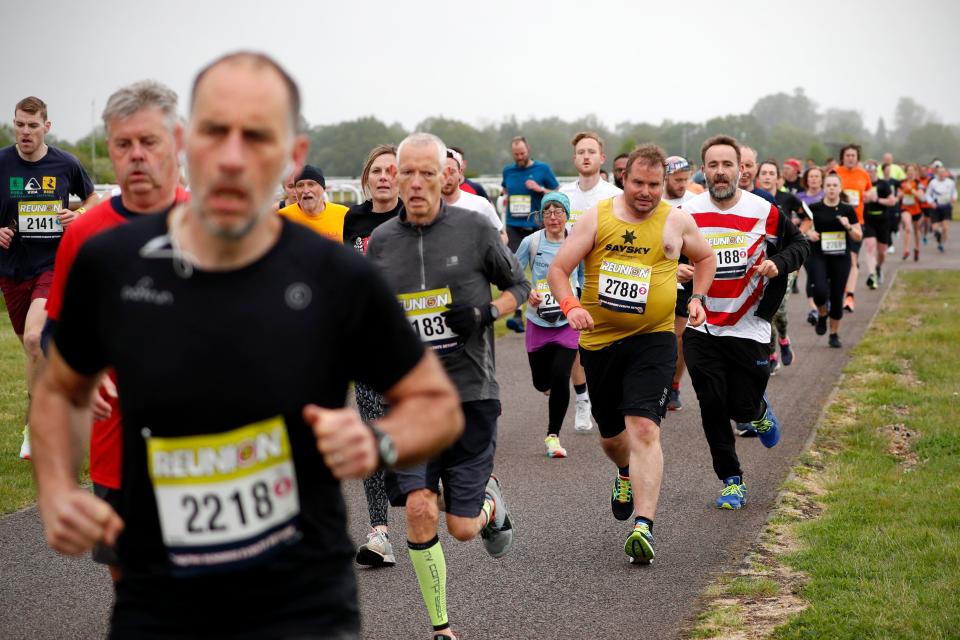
739 238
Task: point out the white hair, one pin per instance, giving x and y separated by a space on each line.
421 139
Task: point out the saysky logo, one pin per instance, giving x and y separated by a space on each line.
628 237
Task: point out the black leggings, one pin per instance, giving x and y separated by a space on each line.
550 366
827 279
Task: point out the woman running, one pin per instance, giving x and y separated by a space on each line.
811 183
379 181
911 214
830 228
551 343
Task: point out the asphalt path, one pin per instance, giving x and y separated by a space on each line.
567 576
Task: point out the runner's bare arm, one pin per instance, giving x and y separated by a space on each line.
6 236
424 419
573 250
73 518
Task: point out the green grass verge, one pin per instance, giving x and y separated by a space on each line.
16 479
883 559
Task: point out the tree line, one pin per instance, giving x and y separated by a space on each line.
779 126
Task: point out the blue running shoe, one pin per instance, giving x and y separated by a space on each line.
767 427
639 544
734 494
515 324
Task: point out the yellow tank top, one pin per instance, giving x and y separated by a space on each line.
630 286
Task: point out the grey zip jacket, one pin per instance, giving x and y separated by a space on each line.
459 250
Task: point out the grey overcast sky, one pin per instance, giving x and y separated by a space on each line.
404 60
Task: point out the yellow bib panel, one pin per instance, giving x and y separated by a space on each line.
630 286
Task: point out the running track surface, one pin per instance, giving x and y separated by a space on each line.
567 576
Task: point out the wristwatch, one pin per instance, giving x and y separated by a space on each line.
386 449
698 296
494 312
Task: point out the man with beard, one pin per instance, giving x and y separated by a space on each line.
36 181
234 334
312 209
728 356
629 246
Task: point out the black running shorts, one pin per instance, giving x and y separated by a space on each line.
631 377
464 468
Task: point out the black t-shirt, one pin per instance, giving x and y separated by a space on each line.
200 356
793 187
875 208
360 221
789 204
831 231
31 196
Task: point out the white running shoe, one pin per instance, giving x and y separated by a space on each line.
25 447
376 551
583 421
554 450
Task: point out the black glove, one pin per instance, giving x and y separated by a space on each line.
465 320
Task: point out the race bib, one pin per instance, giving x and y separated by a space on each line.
225 498
909 200
39 220
520 206
549 308
833 242
853 197
423 310
623 286
731 250
574 216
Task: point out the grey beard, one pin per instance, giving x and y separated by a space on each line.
718 192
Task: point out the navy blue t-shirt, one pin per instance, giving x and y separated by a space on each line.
31 195
522 202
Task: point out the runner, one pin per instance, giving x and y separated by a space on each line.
468 185
748 174
876 231
441 262
289 188
790 207
584 193
942 193
379 181
812 183
678 178
728 355
144 137
630 245
858 188
37 180
524 184
911 194
791 175
551 343
619 165
232 520
454 196
830 228
312 209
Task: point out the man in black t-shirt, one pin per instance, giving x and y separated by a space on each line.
876 228
36 181
234 335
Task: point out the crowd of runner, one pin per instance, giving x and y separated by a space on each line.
216 502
